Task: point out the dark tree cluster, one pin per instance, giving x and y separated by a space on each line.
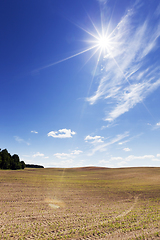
10 162
33 166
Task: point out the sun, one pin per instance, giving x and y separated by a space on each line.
99 39
103 42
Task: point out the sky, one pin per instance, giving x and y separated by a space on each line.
80 82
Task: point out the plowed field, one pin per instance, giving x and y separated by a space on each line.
82 203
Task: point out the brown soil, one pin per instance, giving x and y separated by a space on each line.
82 203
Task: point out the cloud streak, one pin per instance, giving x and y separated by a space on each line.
127 76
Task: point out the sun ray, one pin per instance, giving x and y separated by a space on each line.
99 56
94 26
89 58
111 18
85 30
95 69
74 55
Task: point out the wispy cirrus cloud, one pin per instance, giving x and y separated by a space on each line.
34 132
102 146
73 154
155 126
20 140
62 133
157 12
120 161
132 158
129 139
127 75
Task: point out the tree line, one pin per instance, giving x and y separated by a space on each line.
33 166
10 162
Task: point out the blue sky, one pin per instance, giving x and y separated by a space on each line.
80 82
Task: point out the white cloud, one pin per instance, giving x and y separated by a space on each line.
127 149
38 155
20 140
34 132
125 79
158 155
62 133
158 124
96 139
73 154
76 152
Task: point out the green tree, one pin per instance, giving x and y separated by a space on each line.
0 161
15 162
23 165
10 162
6 159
